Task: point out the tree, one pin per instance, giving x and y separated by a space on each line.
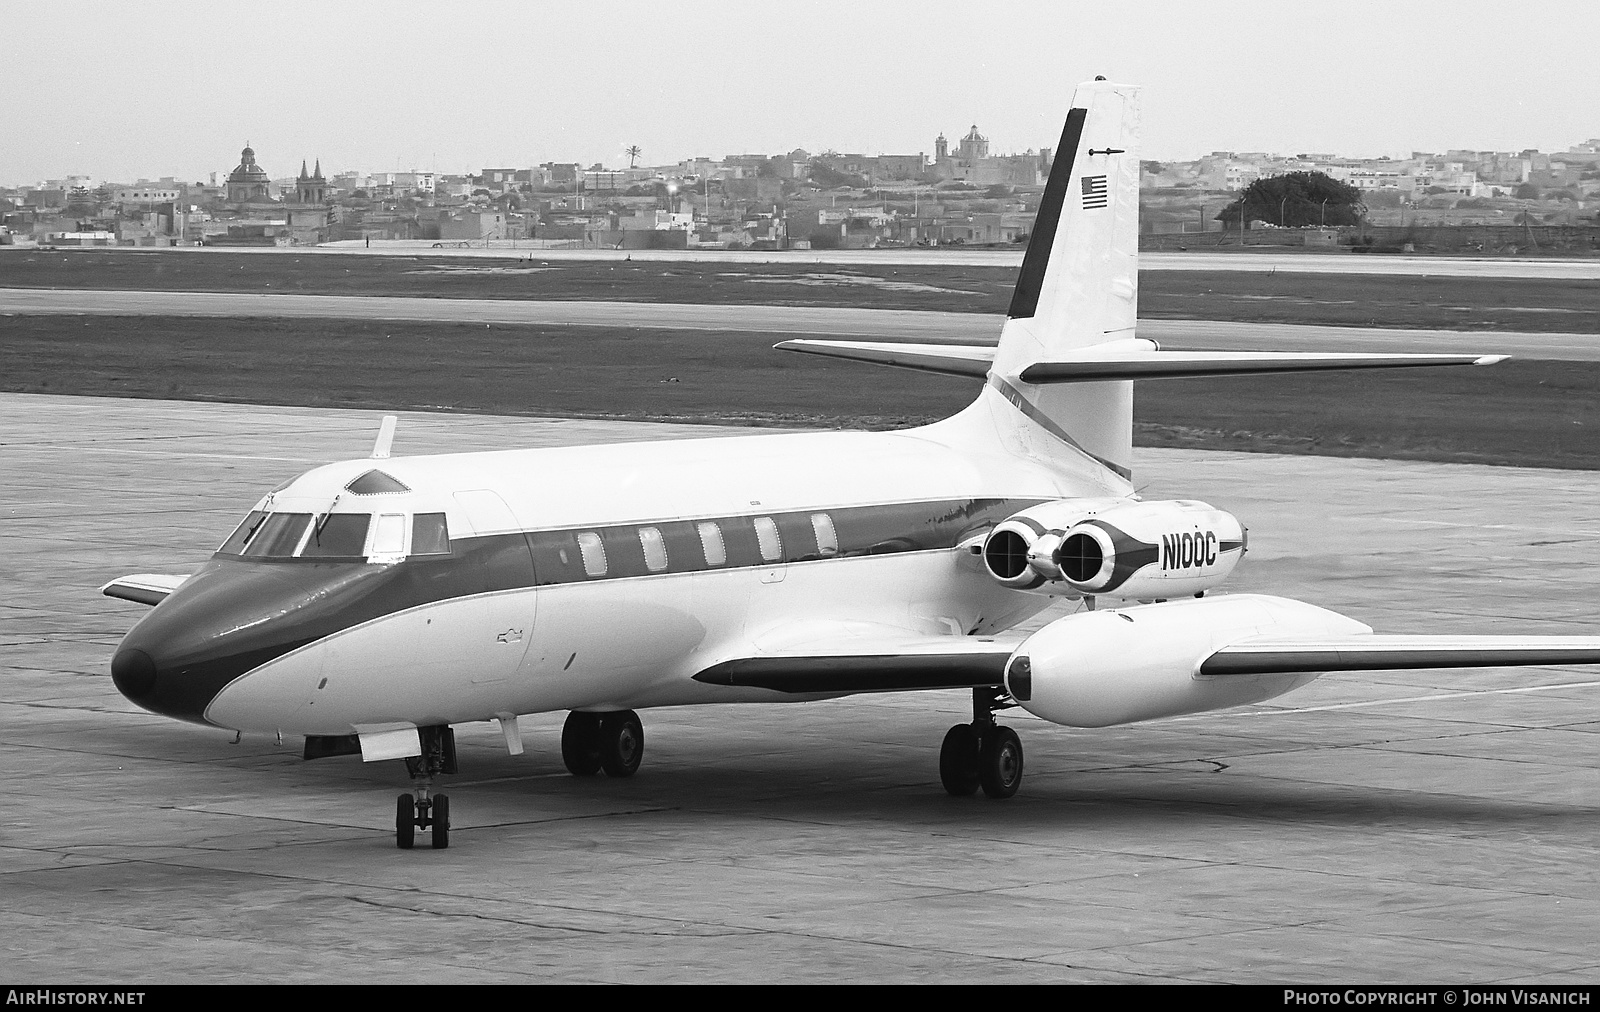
1527 191
633 154
1296 199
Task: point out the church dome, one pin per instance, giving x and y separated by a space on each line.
249 182
248 171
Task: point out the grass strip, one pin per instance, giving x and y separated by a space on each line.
1526 413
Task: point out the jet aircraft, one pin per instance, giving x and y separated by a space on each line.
371 604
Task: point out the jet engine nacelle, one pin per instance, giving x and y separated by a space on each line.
1099 668
1115 548
1011 552
1150 550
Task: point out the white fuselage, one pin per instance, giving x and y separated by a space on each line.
634 637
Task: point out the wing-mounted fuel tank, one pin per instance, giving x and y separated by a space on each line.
1098 668
1115 548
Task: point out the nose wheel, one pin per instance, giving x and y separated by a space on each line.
982 754
424 809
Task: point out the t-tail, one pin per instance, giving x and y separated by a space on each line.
1079 285
1059 385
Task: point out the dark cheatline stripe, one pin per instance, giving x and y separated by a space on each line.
865 673
1025 298
1260 662
1132 555
1045 422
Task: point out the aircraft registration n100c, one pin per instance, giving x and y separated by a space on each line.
371 604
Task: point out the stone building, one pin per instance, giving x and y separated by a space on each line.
249 183
309 216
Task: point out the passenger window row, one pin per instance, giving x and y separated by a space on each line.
692 546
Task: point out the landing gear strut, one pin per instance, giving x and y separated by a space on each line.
426 810
591 742
982 753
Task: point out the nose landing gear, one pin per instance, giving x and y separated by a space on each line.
982 754
426 810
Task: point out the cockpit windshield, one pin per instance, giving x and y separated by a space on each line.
338 534
265 535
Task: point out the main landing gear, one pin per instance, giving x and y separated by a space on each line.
982 753
426 810
591 742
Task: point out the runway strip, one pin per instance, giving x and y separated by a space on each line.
958 328
1299 263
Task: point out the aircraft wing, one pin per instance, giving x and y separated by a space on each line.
886 661
1123 361
143 588
1378 653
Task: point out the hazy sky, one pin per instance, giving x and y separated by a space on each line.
123 90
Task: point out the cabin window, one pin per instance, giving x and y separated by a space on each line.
376 483
593 551
338 534
390 537
429 535
767 538
711 544
655 550
243 534
279 536
827 538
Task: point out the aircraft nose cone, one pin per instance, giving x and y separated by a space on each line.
134 674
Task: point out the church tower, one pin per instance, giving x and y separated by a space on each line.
310 188
941 149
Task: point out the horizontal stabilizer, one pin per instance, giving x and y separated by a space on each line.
950 359
1125 360
1179 364
897 663
1380 653
143 588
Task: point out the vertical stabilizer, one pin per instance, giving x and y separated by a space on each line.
1078 287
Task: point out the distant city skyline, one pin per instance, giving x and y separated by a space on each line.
176 89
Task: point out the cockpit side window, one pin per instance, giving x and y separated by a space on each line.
429 535
390 538
279 536
243 534
342 535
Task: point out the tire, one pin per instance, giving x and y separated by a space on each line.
1000 763
621 743
958 761
441 821
580 744
405 821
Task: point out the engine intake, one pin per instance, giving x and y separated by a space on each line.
1116 548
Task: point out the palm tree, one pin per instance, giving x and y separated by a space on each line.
633 154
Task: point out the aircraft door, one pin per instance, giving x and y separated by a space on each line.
501 615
